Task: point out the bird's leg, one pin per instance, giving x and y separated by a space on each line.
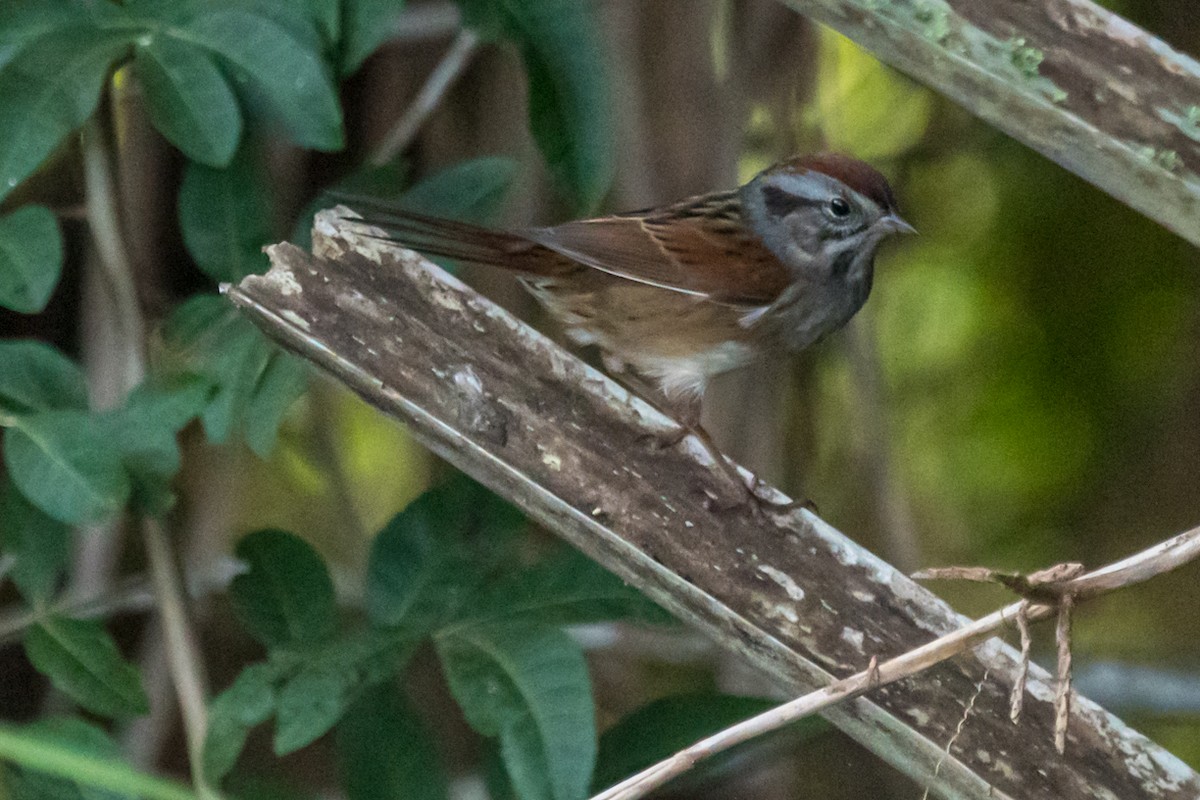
748 490
687 413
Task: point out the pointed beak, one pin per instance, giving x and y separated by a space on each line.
893 224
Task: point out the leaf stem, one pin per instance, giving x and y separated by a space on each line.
65 762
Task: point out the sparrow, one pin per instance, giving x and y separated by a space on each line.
676 294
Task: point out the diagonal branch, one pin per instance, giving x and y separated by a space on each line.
793 597
1077 83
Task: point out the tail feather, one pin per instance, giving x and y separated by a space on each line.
461 241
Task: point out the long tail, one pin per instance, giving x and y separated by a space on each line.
462 241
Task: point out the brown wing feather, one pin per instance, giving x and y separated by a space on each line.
697 246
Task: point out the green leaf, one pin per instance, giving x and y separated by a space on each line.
77 755
368 24
208 337
248 702
569 111
81 660
62 462
40 544
665 726
567 590
287 597
528 685
211 339
385 751
290 75
327 16
25 21
224 215
189 100
472 191
48 90
330 680
283 379
384 181
144 430
416 573
36 377
30 259
485 17
495 776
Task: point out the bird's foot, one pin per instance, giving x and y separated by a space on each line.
756 497
752 494
665 440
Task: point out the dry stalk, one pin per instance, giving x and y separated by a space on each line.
1062 693
1018 690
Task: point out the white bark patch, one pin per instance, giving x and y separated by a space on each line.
294 318
468 382
785 611
287 283
447 300
918 716
783 579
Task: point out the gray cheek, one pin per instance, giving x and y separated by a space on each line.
807 228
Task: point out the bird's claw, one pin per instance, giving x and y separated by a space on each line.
759 505
665 440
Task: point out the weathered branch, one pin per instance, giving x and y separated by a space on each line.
1164 557
1077 83
795 598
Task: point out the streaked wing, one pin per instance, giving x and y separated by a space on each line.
698 246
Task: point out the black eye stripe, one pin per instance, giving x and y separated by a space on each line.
780 203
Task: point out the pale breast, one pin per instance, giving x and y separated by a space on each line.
679 341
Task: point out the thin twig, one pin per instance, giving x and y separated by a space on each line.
104 223
132 593
182 654
439 81
1153 561
426 21
112 341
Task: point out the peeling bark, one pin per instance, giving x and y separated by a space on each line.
791 595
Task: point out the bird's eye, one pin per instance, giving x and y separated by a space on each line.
839 207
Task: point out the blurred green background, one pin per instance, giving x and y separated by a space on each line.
1022 389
